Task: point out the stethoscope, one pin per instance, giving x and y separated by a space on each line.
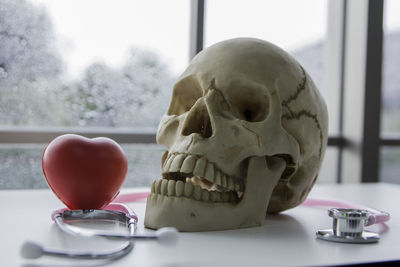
348 222
115 212
347 227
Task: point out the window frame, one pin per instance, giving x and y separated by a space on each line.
355 39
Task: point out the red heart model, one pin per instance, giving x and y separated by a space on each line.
84 173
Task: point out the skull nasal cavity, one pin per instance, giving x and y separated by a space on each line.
197 120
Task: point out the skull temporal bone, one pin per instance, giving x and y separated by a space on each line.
226 114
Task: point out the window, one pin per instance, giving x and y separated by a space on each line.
91 63
96 67
390 67
299 27
390 122
101 67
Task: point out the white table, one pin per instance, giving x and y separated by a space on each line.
284 240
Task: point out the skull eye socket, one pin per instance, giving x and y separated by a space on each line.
185 94
251 107
250 114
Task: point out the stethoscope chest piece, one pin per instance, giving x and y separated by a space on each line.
348 227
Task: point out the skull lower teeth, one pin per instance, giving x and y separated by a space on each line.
195 178
195 188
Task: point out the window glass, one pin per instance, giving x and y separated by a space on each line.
90 63
390 167
298 27
390 108
28 158
390 123
21 165
329 171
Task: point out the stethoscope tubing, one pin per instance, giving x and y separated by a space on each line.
114 211
375 216
122 213
111 254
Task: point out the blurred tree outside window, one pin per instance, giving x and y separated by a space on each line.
35 92
29 65
58 69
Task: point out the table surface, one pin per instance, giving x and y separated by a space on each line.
287 239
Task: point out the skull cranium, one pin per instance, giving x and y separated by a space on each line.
246 131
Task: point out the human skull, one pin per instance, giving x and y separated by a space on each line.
246 132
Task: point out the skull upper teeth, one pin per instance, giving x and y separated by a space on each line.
195 177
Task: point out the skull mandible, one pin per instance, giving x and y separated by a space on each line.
246 132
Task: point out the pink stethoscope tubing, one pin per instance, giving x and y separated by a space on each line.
375 216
